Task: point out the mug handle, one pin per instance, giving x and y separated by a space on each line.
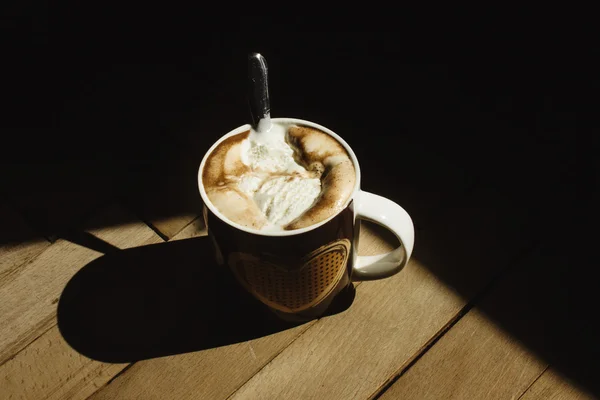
390 215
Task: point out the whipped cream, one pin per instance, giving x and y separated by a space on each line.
268 151
281 188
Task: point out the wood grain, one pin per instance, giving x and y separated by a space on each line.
194 229
49 367
502 345
552 386
211 374
18 244
391 321
171 226
217 372
124 235
474 360
350 354
31 293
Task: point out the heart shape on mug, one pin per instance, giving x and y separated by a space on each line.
293 288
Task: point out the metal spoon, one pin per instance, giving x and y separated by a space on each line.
258 92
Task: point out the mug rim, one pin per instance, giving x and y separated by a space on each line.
245 127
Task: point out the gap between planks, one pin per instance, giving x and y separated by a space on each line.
495 281
533 382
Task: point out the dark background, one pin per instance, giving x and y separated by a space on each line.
103 102
123 91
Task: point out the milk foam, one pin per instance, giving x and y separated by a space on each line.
286 177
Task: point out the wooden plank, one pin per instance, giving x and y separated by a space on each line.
30 296
475 360
171 226
553 386
392 321
18 244
196 228
122 235
503 345
369 341
215 373
388 324
211 374
167 197
31 293
49 367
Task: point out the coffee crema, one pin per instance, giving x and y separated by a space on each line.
288 178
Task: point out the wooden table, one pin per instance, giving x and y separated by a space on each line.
410 336
116 297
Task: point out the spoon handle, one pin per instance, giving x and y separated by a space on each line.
258 88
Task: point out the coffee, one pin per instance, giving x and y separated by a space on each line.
290 177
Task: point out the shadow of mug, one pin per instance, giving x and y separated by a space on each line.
162 299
